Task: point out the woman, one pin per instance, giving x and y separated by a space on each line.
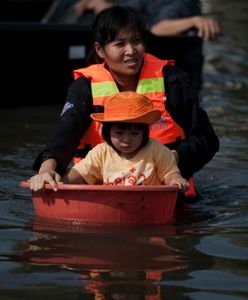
123 65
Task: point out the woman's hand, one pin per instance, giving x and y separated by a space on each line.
37 182
46 174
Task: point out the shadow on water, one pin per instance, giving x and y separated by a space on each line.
202 255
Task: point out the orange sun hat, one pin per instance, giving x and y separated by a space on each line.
128 107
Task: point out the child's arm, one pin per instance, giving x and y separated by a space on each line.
168 171
72 176
175 178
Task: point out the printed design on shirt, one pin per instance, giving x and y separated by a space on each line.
161 124
67 106
134 176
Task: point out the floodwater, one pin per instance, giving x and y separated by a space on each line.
202 255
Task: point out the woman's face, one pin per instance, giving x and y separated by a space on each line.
127 141
124 55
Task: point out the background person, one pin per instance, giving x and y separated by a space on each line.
164 18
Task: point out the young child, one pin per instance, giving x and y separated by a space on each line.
127 156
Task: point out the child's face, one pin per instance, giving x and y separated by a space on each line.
127 140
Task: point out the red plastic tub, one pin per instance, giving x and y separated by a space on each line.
106 204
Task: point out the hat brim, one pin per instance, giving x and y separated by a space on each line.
149 118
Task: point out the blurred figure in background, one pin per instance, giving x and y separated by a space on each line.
163 17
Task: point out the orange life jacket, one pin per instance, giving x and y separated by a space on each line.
151 84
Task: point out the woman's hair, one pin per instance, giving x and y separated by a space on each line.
108 24
106 127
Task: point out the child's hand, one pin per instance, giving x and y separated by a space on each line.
177 179
182 184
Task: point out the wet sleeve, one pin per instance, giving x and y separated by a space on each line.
73 122
201 141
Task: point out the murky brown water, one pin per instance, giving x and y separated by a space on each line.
202 256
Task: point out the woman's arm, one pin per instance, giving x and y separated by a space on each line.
73 122
201 142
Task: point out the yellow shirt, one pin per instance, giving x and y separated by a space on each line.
149 166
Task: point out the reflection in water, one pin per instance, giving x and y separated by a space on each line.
111 262
114 262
